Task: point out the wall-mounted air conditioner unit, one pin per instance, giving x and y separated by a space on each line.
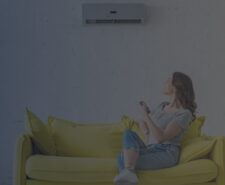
114 13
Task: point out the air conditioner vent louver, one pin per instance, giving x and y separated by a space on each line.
129 21
101 13
114 21
89 21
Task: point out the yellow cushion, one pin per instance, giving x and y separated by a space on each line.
70 169
87 140
134 125
196 148
75 169
37 130
194 129
217 155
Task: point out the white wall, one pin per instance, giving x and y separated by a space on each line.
55 65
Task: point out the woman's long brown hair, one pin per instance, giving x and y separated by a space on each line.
185 91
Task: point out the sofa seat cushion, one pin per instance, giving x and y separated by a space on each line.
76 169
38 182
70 169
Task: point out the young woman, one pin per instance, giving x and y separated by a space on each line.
163 129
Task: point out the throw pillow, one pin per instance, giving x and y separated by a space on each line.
38 131
102 140
132 124
196 148
194 129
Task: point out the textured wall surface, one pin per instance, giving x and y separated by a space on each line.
55 65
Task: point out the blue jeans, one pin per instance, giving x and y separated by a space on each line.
155 156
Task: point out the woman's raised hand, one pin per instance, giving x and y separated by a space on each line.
143 109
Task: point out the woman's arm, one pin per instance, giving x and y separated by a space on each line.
161 136
147 139
144 130
171 130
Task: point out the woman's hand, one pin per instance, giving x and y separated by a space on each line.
143 109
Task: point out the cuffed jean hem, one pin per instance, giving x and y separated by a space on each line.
133 148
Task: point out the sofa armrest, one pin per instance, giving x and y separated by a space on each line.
218 156
23 149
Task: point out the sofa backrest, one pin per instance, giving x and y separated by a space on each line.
100 139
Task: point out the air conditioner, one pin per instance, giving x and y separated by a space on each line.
114 13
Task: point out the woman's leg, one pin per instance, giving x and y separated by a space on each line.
132 143
130 157
120 161
157 157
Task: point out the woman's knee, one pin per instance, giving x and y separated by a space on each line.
128 133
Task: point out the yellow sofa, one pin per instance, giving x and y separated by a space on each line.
86 154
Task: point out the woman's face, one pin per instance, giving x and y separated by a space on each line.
168 87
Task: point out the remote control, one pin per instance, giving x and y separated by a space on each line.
142 103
